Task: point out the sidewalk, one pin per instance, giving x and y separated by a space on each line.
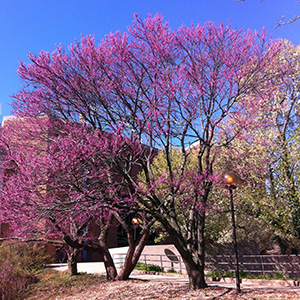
86 267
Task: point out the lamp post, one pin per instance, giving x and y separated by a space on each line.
135 222
231 180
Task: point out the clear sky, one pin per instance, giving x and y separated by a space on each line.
35 25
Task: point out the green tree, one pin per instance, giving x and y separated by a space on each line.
283 180
274 199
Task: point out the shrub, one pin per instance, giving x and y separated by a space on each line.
213 273
172 271
148 267
27 257
19 264
243 274
277 276
12 282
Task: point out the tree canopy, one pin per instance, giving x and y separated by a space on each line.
197 89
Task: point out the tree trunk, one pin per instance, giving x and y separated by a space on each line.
133 254
194 267
111 271
194 270
72 262
128 264
196 279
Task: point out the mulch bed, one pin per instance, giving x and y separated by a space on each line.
138 289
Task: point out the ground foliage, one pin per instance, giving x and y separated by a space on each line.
61 286
19 265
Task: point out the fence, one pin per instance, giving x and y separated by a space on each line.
161 260
250 264
257 264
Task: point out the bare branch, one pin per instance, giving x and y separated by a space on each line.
282 22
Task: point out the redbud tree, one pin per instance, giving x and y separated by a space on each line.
57 186
169 89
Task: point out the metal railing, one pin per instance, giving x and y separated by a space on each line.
257 264
161 260
250 264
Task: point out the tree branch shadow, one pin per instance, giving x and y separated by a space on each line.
221 295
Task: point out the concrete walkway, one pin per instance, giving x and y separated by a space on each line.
86 267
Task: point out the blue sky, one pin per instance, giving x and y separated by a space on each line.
35 25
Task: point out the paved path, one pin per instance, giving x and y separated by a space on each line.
87 267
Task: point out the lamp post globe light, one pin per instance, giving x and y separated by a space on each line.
135 222
231 180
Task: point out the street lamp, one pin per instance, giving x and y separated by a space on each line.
135 222
231 180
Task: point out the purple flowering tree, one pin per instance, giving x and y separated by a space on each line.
198 87
59 183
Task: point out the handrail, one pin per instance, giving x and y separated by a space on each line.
251 264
